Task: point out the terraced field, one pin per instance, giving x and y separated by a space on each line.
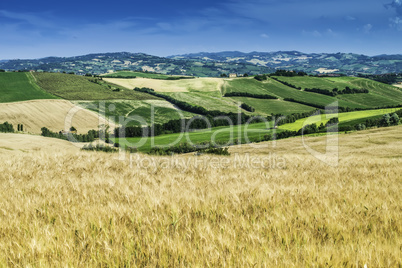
136 112
21 87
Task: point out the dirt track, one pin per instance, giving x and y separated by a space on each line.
56 115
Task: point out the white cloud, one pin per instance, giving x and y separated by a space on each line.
396 23
264 35
367 28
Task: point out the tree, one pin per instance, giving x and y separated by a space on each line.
73 129
394 120
385 120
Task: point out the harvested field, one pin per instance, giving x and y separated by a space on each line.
185 85
53 114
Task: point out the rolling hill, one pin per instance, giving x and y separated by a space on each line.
115 98
107 62
347 63
20 87
56 115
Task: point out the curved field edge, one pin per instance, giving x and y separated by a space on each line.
21 86
135 112
91 209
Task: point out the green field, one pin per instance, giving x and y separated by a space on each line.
380 94
343 117
20 87
209 100
268 107
244 85
245 133
281 91
74 87
251 131
319 82
359 120
132 74
130 110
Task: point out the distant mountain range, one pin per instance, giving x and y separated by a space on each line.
347 63
214 64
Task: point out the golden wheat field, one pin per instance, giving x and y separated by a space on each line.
266 207
184 85
56 115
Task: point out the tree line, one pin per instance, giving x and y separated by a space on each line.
182 125
286 83
89 137
250 95
335 91
288 73
247 107
385 121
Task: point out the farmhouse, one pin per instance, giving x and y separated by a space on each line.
232 75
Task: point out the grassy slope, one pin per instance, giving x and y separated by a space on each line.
209 100
343 117
319 82
20 87
131 109
218 134
251 131
267 107
380 95
74 87
90 209
275 88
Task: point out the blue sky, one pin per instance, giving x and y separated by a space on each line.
34 29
